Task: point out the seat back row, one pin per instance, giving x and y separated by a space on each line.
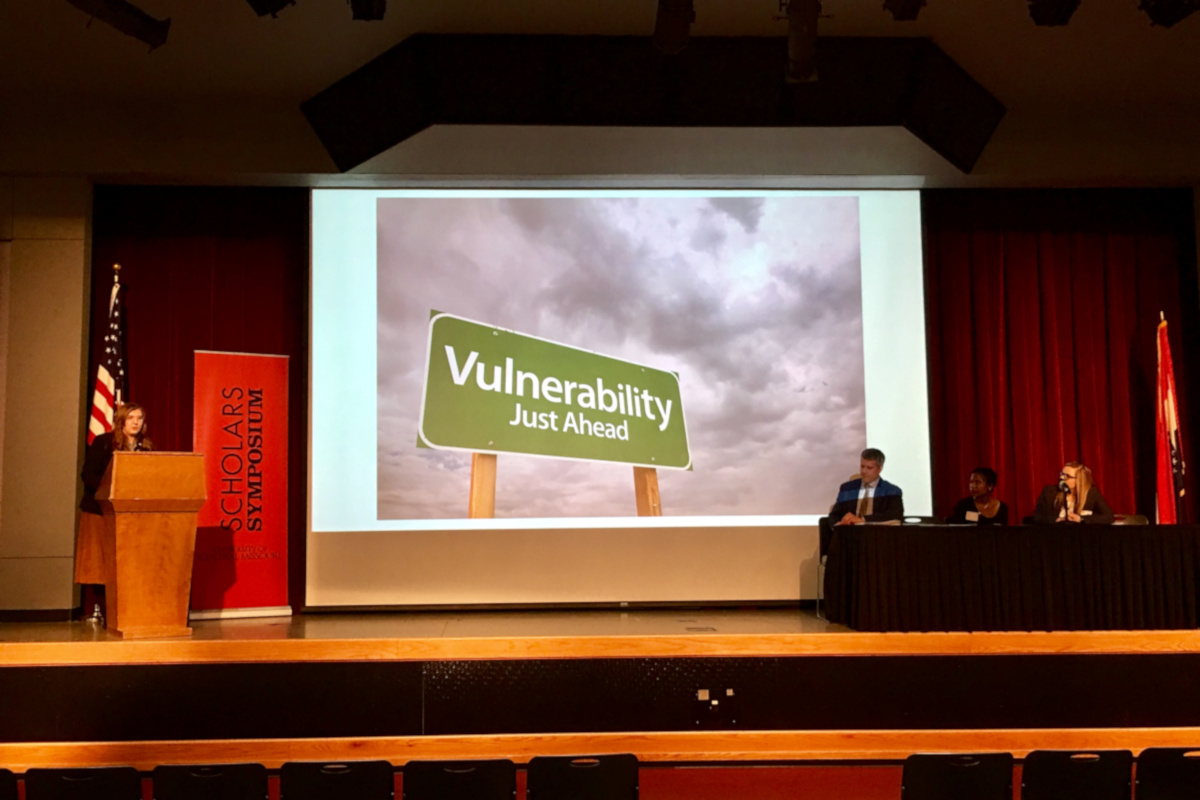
605 777
1163 773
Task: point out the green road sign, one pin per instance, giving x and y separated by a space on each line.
491 390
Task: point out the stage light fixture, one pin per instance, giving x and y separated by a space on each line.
1051 13
128 19
673 25
272 7
904 10
1168 12
802 18
368 10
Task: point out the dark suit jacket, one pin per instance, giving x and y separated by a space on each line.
888 504
1102 513
95 462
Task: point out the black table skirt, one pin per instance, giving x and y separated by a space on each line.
1032 578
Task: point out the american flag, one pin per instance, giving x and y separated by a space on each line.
110 374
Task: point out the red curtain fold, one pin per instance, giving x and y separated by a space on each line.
1041 311
208 269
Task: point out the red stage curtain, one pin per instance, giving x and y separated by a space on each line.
207 269
1041 311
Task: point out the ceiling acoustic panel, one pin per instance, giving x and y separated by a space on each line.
439 79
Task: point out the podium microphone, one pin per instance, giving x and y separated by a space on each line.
1062 487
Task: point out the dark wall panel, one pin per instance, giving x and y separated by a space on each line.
131 703
432 79
209 701
811 693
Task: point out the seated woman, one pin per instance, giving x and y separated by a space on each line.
982 507
1074 499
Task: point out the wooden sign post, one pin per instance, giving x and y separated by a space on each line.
482 504
482 501
645 488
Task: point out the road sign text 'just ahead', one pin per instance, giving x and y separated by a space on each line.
492 390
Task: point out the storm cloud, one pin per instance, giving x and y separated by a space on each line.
755 302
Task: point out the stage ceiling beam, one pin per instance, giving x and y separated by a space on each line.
443 79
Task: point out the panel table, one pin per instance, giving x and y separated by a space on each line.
1029 578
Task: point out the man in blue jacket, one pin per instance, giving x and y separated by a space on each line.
868 498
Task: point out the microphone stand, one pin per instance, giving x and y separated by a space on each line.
1066 494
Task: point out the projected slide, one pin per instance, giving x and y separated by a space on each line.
744 344
752 304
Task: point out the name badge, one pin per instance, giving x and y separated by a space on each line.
972 516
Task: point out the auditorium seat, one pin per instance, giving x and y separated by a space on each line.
612 777
215 782
460 780
957 776
1168 773
96 783
8 785
1064 774
345 780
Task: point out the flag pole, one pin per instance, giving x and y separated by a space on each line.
120 390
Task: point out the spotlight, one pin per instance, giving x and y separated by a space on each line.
128 19
272 7
673 25
904 10
368 10
1052 12
802 40
1168 12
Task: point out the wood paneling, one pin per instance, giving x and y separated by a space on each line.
270 648
681 748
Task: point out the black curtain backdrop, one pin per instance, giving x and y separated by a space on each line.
208 269
1042 309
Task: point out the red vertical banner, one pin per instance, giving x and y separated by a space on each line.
240 423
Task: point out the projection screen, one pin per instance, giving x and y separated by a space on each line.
742 346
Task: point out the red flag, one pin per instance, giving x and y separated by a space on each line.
110 374
1170 451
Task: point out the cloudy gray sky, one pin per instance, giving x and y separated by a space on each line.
755 302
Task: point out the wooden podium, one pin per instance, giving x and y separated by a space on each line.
150 503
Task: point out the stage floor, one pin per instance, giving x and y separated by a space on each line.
456 635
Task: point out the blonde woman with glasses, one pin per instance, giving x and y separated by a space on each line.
1075 498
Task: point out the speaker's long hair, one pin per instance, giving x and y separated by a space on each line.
119 440
1083 485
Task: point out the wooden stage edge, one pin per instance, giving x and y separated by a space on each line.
709 747
285 650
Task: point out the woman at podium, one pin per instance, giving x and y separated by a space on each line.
128 433
982 507
1074 499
